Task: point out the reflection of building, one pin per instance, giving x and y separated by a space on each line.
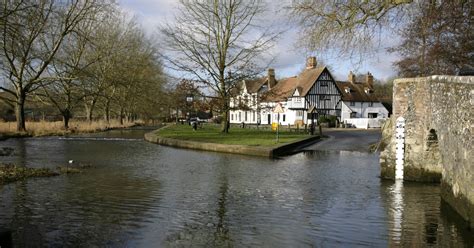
305 97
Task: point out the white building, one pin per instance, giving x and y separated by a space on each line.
359 105
246 105
304 98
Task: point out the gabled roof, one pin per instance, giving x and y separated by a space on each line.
286 87
357 91
254 85
282 90
307 79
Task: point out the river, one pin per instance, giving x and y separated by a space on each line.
138 194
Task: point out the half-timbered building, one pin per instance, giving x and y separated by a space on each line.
306 97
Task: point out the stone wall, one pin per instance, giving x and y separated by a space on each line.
439 136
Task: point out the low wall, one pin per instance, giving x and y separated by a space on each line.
365 122
438 112
270 152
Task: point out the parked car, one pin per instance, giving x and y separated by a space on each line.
195 119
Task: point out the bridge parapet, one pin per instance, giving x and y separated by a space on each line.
439 114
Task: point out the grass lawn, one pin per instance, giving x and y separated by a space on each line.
237 136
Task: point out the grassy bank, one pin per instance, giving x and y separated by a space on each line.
46 128
11 173
210 133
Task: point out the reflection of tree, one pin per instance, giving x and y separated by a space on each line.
222 231
91 209
214 231
25 232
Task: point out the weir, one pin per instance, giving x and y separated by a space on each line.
438 114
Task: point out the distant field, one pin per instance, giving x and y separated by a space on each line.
48 128
237 136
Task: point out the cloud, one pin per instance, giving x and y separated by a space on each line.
289 59
150 13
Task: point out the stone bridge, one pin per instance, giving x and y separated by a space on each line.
439 112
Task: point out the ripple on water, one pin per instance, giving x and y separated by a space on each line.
137 194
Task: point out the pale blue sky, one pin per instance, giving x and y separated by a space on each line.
289 59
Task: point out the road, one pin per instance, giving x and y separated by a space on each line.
347 140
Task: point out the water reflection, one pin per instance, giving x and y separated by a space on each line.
139 194
417 217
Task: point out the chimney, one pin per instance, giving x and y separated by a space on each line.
311 63
370 79
352 77
271 78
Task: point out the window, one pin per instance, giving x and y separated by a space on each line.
297 99
372 115
253 115
324 98
240 115
352 103
245 116
231 117
299 113
284 117
354 115
371 104
324 84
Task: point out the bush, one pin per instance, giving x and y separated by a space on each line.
329 120
217 119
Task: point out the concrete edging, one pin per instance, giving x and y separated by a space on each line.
270 152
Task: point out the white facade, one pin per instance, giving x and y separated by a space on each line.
313 90
369 110
364 114
264 114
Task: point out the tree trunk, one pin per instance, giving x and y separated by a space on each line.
121 116
107 112
20 113
89 110
66 118
225 121
176 115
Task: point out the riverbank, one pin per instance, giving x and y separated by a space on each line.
56 128
238 141
10 173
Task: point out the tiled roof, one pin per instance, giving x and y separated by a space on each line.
282 90
307 78
286 87
254 85
357 92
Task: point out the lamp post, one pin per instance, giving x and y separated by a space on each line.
189 100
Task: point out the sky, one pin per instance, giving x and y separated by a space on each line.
290 59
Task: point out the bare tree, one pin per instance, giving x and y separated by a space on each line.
437 40
30 39
68 67
219 43
350 27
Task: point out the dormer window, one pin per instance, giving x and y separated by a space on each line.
367 91
347 90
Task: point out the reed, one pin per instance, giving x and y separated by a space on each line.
50 128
